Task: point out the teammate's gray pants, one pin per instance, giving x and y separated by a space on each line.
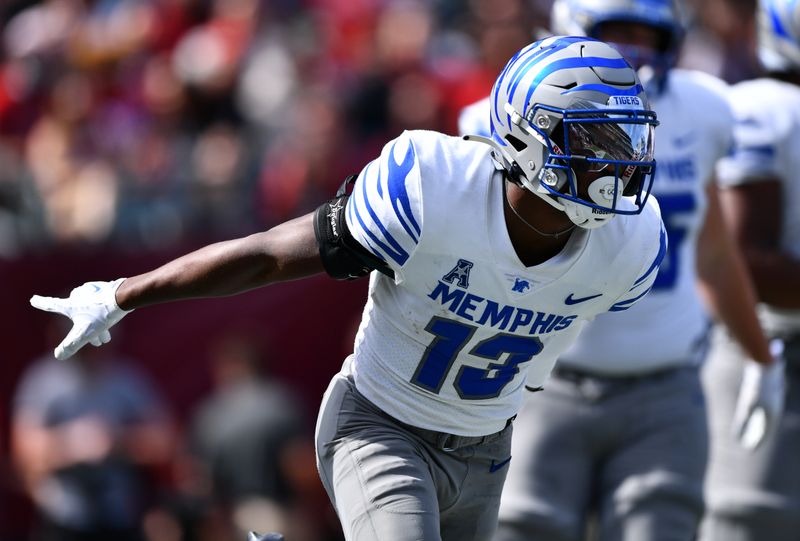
751 495
633 451
389 481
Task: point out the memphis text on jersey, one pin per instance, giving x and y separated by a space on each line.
451 293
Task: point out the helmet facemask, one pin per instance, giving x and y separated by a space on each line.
570 122
612 148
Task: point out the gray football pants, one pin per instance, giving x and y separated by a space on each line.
629 452
392 482
751 495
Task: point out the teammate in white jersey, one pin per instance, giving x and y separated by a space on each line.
490 255
754 495
620 431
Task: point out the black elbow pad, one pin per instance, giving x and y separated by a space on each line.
342 256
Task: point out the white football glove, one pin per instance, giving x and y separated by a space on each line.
93 310
761 398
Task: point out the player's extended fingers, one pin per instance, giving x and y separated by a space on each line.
103 338
51 304
77 337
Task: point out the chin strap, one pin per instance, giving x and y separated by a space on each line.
581 215
526 222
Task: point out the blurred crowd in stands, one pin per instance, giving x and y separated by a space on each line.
133 126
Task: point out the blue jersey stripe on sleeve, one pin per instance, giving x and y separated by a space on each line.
354 217
398 190
396 251
627 303
381 207
662 250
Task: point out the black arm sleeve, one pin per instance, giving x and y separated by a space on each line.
342 256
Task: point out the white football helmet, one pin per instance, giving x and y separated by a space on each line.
583 18
565 107
778 33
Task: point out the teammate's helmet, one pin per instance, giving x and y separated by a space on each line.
779 34
583 18
573 105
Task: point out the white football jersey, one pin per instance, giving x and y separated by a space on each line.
670 325
447 345
767 144
474 119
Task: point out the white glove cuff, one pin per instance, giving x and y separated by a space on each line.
111 299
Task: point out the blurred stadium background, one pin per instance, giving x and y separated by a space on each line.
135 130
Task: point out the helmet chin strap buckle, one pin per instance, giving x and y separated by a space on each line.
603 191
504 159
511 167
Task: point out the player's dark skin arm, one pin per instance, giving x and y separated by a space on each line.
754 212
286 252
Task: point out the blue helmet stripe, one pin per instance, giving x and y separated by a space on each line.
398 191
520 72
526 65
568 63
607 89
498 84
557 46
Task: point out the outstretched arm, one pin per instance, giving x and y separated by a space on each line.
285 252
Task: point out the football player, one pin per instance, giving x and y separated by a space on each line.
754 494
488 255
620 433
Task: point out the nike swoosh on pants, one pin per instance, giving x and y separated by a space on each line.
497 465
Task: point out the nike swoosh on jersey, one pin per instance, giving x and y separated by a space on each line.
572 300
498 465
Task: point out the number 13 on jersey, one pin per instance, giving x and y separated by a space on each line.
450 337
